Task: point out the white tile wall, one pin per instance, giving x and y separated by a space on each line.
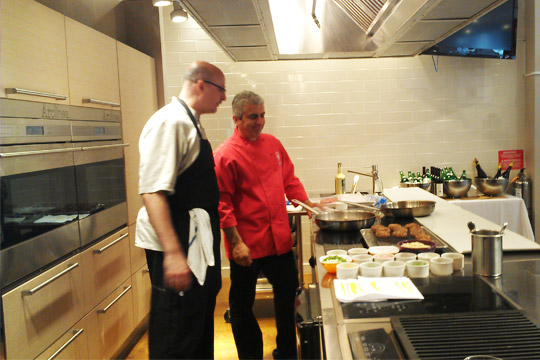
398 113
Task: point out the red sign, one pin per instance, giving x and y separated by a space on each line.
508 156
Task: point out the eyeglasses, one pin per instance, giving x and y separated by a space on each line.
216 85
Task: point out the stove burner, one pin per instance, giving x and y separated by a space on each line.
375 348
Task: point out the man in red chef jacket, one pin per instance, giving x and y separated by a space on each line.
254 173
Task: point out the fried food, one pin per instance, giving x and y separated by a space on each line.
377 227
423 236
395 227
414 231
411 226
401 233
382 233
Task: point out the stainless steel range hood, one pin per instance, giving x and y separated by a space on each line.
250 30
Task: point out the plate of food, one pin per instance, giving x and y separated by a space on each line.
416 246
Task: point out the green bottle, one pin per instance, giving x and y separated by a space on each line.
463 176
403 178
451 174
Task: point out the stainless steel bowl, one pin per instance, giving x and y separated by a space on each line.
456 188
491 187
424 186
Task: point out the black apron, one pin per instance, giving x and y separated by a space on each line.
183 326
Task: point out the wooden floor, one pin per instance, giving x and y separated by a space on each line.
224 347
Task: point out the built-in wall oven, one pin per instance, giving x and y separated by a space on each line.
62 183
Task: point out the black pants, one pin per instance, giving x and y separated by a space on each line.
281 272
181 327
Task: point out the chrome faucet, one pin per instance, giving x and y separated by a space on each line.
374 175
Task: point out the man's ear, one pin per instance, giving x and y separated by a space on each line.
235 119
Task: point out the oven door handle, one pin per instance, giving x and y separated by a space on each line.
39 152
99 147
45 283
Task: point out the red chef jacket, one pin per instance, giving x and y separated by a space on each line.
253 177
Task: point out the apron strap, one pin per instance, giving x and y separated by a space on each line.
191 117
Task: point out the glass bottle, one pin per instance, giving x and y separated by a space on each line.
463 176
340 180
499 171
506 173
404 179
480 172
451 175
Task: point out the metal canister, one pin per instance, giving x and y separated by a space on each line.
487 252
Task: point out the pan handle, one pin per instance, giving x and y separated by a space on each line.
305 206
372 208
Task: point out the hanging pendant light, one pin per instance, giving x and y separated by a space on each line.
178 14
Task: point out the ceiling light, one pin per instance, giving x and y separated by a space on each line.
178 14
161 2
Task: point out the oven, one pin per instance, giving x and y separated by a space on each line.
62 183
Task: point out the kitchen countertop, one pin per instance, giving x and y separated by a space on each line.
520 282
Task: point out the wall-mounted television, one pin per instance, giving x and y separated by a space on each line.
493 35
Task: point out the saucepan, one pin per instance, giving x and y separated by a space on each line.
345 220
402 209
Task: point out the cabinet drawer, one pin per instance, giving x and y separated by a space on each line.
105 266
110 323
142 289
71 345
39 311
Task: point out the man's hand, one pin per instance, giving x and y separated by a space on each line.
241 254
176 272
240 251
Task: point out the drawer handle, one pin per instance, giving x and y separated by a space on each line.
100 102
103 311
42 285
76 333
99 251
39 152
99 147
35 93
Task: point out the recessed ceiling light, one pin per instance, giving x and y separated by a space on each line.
161 2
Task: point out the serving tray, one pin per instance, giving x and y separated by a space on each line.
372 240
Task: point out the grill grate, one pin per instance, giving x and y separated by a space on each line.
504 334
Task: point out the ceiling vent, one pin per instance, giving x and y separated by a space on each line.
368 14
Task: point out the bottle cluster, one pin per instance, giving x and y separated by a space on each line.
499 175
412 178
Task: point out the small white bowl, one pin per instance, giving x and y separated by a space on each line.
442 266
348 270
394 268
382 258
371 269
417 268
336 252
358 251
427 256
405 256
360 258
459 259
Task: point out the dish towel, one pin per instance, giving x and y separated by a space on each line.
200 251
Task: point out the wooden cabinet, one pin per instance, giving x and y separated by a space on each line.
72 345
142 290
105 266
138 96
110 323
33 52
138 256
39 311
92 67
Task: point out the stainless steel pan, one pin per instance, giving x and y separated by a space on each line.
403 209
346 220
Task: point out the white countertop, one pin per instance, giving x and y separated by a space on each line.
449 222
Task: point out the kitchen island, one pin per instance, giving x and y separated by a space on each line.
345 327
